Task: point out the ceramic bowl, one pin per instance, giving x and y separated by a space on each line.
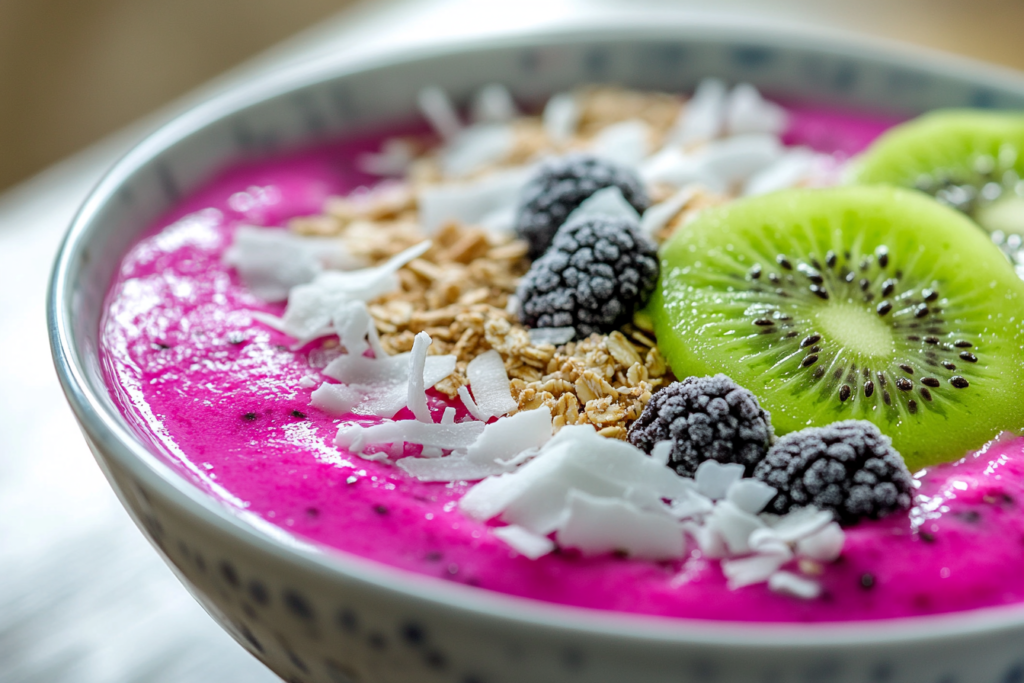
313 614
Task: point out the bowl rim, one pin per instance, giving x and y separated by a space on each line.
112 435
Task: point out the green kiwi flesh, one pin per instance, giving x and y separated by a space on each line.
970 160
871 303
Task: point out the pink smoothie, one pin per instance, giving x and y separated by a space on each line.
219 395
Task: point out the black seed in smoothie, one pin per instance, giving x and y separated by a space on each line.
969 516
299 414
249 417
381 510
867 581
312 512
926 536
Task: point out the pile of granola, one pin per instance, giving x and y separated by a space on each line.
461 292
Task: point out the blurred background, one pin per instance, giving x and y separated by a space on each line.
72 71
83 597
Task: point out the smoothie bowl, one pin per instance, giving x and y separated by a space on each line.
667 354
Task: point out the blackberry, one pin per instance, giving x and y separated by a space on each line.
707 418
560 186
847 467
598 271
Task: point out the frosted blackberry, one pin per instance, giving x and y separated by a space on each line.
847 467
560 186
597 272
708 418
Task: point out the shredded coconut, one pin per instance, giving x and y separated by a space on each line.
703 117
476 147
417 400
493 103
335 399
606 202
356 437
795 585
747 112
440 112
470 202
561 116
598 525
311 306
490 384
524 542
626 143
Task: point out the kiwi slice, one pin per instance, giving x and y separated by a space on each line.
970 160
870 302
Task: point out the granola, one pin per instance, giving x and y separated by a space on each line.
461 291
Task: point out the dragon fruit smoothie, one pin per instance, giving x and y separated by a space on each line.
227 400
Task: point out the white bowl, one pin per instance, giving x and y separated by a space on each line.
315 614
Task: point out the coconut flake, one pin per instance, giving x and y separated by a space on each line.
662 451
524 542
477 147
561 116
356 329
394 158
738 158
747 112
607 202
735 526
467 400
824 545
450 468
692 505
626 142
272 260
714 478
673 166
450 437
438 109
417 388
493 103
598 525
335 399
750 495
385 381
535 495
490 384
556 336
470 202
509 436
789 583
796 165
703 116
800 523
747 571
311 306
658 216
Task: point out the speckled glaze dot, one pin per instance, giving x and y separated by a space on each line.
298 605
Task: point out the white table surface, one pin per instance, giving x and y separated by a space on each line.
83 597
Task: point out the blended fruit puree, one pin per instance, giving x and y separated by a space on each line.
220 395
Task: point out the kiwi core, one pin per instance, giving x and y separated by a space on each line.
861 331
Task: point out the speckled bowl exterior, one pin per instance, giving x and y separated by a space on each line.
314 614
